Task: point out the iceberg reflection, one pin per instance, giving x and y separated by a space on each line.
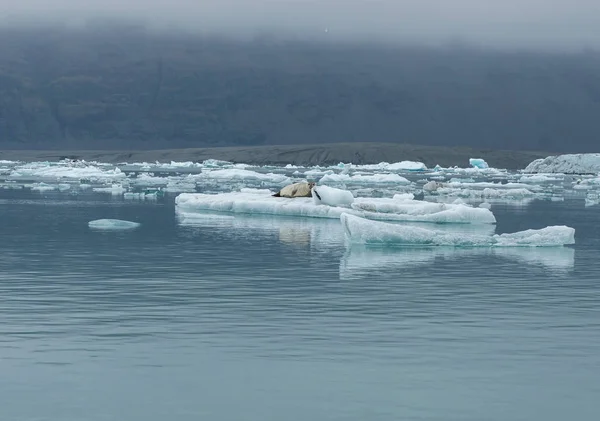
360 261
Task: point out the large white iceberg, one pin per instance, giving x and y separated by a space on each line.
383 209
364 231
586 163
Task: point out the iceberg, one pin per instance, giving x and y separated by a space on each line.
478 163
364 231
586 163
67 170
241 174
112 224
324 195
396 166
364 179
373 208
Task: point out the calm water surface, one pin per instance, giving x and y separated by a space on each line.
263 318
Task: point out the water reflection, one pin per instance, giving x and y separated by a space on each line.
360 261
315 233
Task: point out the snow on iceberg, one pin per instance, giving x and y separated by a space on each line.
112 224
586 163
264 203
364 231
478 163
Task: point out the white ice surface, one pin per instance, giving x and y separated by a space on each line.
364 231
112 224
66 170
241 174
364 179
374 208
395 166
325 195
568 164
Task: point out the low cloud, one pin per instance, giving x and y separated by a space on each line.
547 24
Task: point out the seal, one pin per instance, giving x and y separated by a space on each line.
301 189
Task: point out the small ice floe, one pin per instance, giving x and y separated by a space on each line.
112 224
364 231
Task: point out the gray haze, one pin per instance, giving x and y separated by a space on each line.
539 24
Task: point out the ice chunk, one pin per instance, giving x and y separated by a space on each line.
486 193
324 195
364 179
404 196
478 163
112 224
67 170
240 174
41 187
256 203
396 166
364 231
538 178
418 210
114 189
586 163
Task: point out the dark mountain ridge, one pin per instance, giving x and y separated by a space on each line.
116 87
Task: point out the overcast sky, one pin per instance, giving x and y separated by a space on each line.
517 23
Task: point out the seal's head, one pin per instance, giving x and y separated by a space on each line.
311 184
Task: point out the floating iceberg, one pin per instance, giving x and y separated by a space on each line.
478 163
373 208
586 163
396 166
112 224
241 174
364 179
364 231
67 170
324 195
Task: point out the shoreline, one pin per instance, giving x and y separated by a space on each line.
302 155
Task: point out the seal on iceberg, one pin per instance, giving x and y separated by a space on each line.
301 189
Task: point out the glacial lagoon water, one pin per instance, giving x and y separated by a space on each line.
243 317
